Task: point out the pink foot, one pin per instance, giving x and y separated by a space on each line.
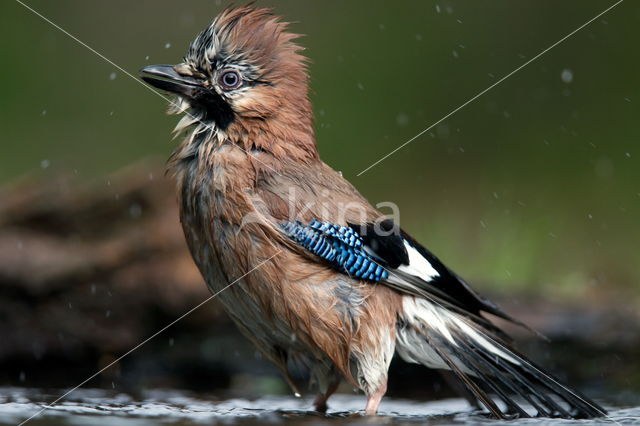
373 401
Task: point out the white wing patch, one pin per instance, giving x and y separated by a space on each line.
418 265
413 343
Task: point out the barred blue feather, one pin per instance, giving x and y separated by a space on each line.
339 245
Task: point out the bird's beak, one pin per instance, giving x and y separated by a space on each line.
177 79
165 77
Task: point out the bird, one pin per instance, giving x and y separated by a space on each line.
304 265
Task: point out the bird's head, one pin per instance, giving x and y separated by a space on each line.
242 75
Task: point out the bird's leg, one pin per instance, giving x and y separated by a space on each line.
373 400
320 403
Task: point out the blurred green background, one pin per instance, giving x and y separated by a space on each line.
535 186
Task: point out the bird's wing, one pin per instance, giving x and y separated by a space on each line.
393 259
442 326
362 245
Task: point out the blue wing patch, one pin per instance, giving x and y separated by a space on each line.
339 245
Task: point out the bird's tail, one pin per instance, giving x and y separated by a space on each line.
432 335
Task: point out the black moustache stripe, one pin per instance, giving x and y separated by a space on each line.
214 106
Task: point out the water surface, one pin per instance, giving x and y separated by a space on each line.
100 407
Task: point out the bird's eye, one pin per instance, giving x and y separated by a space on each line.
229 80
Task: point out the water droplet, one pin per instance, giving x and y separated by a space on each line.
112 76
167 45
402 119
23 376
171 342
146 58
135 210
297 395
455 54
437 8
45 164
566 75
360 86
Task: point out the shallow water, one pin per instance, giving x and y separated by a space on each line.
100 407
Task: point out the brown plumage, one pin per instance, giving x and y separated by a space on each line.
249 179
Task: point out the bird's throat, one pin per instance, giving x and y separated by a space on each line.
213 107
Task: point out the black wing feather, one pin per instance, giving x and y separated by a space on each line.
386 239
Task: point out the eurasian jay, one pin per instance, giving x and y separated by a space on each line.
320 277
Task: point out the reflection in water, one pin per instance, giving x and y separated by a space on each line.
99 407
